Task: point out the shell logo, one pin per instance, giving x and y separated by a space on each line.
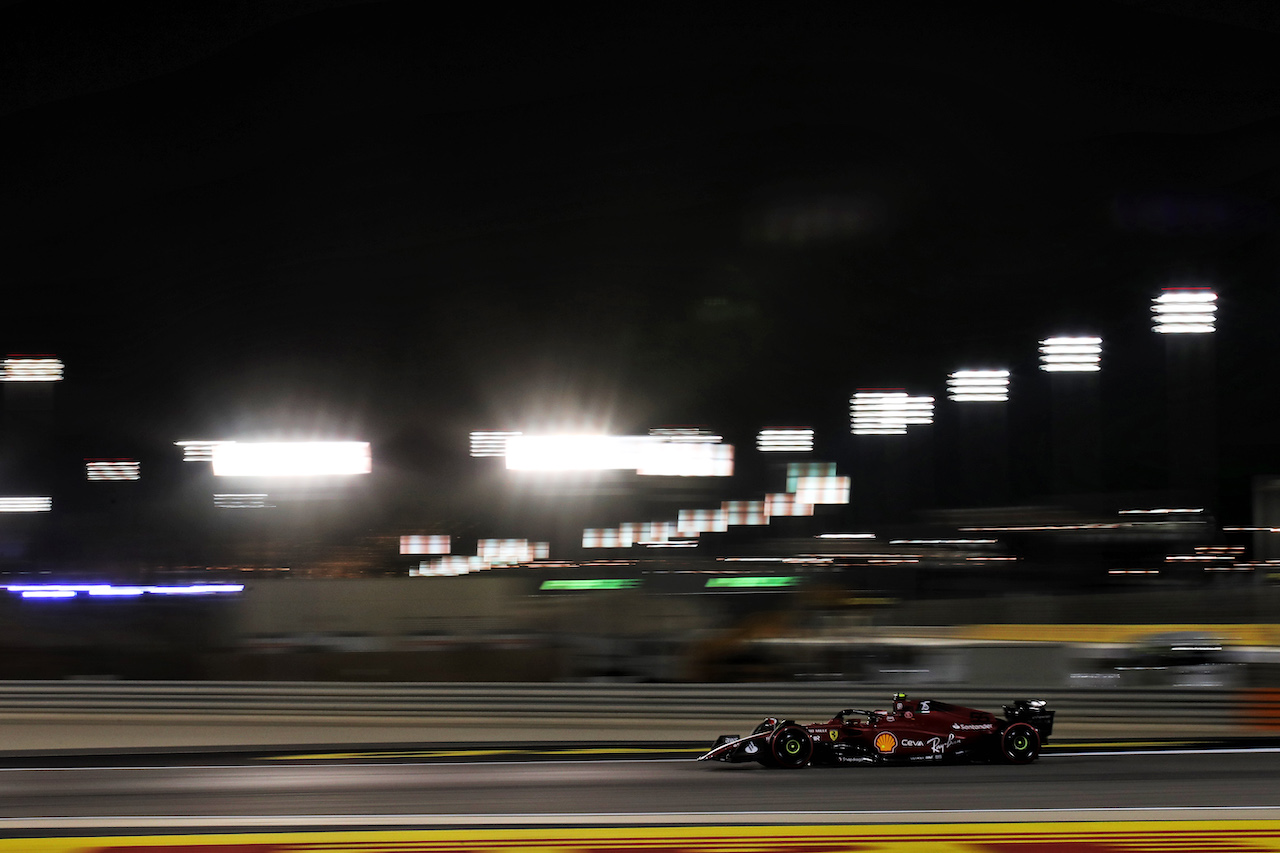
885 742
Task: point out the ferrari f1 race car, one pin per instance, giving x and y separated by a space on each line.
912 730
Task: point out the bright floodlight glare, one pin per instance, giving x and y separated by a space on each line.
490 442
31 368
198 450
111 469
785 440
879 412
291 458
1070 354
26 504
978 386
1184 311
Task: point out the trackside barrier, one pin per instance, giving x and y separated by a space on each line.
1128 711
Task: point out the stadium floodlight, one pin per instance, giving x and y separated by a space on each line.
291 458
26 504
785 440
887 412
490 442
1071 354
418 544
978 386
198 450
111 469
31 368
1184 311
231 501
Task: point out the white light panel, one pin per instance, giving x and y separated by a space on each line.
888 412
291 458
112 469
240 501
32 504
785 440
490 443
198 450
1071 354
31 368
978 386
1184 311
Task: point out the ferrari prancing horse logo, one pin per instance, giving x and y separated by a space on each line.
833 734
886 742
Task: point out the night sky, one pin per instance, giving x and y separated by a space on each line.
386 221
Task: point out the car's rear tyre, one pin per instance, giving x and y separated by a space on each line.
791 746
1020 744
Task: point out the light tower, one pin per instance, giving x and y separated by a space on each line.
1186 318
983 433
895 457
1073 363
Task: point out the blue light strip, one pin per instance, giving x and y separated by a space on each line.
105 589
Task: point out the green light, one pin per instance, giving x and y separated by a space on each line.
594 583
753 582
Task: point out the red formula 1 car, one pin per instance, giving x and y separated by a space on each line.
913 730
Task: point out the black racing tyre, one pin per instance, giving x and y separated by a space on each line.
764 756
791 746
1020 744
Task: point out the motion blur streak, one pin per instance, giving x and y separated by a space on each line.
198 450
785 440
418 544
652 455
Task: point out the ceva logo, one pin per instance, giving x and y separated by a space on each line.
885 742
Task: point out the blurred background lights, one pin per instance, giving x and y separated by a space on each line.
1070 354
490 443
195 450
744 512
419 544
1184 311
691 522
291 458
112 469
786 505
978 386
785 440
651 455
31 368
888 412
823 490
509 551
26 504
241 501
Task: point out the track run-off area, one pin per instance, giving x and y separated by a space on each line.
1100 796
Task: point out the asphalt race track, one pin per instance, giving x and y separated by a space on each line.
571 784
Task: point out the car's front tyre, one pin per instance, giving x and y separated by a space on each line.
791 747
